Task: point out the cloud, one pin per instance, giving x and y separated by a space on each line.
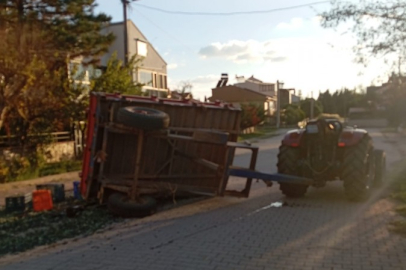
276 59
241 52
229 49
205 78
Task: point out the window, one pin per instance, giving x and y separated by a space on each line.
145 77
152 79
141 48
159 82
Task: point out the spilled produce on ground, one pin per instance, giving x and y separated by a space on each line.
22 231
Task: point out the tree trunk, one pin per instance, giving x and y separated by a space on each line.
3 115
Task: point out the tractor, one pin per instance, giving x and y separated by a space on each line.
325 150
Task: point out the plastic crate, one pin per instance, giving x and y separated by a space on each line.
15 203
42 200
76 190
57 191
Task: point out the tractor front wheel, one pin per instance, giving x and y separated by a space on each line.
287 164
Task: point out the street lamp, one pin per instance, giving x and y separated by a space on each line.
125 3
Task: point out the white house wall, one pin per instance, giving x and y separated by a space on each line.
153 61
117 45
258 87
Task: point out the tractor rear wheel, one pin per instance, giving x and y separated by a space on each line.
358 170
287 164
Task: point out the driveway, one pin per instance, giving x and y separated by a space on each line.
320 231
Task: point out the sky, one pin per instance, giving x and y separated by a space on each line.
269 42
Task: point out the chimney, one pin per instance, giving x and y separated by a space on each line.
223 80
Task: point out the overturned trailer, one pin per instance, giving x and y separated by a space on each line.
144 145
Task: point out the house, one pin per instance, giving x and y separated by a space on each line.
256 85
383 96
153 69
241 95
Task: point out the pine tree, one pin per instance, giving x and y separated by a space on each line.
39 38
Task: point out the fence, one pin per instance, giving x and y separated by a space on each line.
63 145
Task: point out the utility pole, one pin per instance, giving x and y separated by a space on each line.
312 107
125 2
278 105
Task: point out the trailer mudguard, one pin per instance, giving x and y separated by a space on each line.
351 136
293 137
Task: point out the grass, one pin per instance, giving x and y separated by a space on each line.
260 132
60 167
46 169
399 193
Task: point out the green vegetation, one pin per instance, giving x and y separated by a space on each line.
60 167
117 77
21 168
292 114
20 232
46 49
251 115
399 193
39 39
384 38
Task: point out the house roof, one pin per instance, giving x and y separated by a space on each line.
254 79
143 37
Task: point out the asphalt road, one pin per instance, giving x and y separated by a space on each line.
320 231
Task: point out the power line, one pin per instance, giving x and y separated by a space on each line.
230 13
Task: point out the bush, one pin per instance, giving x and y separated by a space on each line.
293 114
60 167
251 115
27 167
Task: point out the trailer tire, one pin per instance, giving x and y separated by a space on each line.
143 118
119 205
287 164
380 167
358 170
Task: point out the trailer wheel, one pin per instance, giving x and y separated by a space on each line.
143 118
358 170
287 164
380 167
120 205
